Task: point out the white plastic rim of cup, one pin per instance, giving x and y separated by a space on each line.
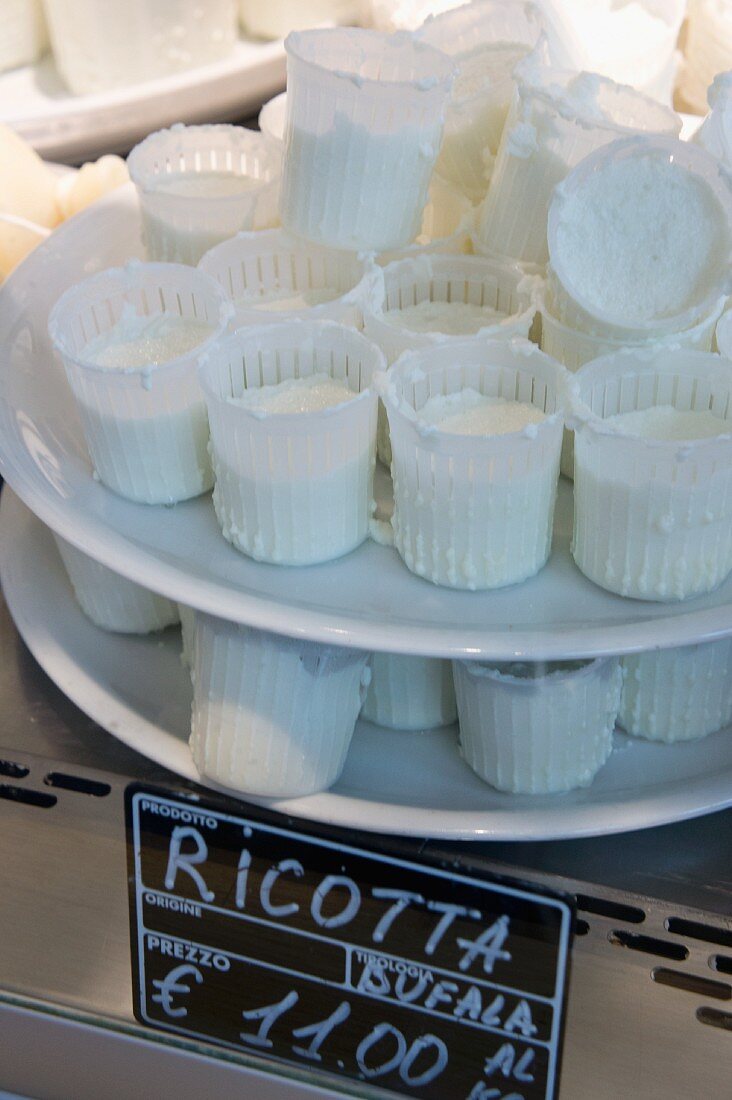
700 165
456 518
436 277
271 119
145 426
273 262
363 129
573 348
556 120
501 31
292 488
670 501
723 335
182 226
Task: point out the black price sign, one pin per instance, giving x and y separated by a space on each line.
422 980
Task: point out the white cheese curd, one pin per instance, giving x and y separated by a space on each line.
452 318
279 300
677 694
272 716
112 602
537 728
639 239
666 422
409 693
471 413
296 395
207 185
140 341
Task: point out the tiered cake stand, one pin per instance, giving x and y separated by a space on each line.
136 688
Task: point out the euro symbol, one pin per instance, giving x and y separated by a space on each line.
172 984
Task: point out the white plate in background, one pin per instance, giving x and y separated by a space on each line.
71 128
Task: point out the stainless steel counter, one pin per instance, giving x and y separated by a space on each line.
650 1004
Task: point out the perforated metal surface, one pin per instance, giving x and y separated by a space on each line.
650 1003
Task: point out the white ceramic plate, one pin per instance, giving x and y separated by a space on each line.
71 128
367 599
409 783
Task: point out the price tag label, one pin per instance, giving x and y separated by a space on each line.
424 980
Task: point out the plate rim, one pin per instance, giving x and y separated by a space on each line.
17 523
84 529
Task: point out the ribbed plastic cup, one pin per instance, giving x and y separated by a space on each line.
537 729
272 716
652 519
97 46
474 511
575 294
410 693
486 39
678 694
466 280
292 488
199 185
145 427
573 349
272 275
708 50
363 129
271 119
112 602
452 280
723 335
556 120
276 18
